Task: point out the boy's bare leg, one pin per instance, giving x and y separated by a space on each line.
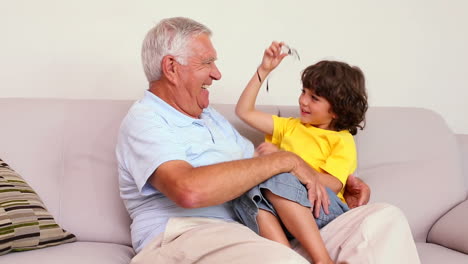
301 223
270 227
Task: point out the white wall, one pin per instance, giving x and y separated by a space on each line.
413 53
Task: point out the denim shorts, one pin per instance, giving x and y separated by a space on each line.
287 186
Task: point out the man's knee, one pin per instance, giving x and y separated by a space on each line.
377 216
385 212
381 219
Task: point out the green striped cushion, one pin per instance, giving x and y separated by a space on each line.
25 223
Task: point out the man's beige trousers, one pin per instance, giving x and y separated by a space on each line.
376 233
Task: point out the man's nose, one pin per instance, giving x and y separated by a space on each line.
215 73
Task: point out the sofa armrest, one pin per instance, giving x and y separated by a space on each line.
463 143
451 230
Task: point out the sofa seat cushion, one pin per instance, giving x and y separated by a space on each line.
451 230
435 254
74 253
25 223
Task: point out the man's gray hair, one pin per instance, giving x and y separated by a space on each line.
169 37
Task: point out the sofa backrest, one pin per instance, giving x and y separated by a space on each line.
65 149
410 158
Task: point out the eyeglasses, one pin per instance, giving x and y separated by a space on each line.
291 52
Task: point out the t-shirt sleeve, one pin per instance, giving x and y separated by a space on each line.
343 158
146 146
280 125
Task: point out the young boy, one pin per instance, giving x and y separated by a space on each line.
332 106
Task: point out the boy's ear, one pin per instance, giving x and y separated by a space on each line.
334 116
169 67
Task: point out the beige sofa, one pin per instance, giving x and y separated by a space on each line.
65 150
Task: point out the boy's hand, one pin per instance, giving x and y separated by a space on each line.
272 57
266 148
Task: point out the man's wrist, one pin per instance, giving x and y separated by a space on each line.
287 161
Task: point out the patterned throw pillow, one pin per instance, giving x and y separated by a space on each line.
25 223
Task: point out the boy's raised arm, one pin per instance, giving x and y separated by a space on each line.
245 108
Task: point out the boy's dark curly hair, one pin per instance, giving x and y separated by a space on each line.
344 88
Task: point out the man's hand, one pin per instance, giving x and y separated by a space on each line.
357 192
318 198
317 194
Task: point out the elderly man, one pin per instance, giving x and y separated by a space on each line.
180 163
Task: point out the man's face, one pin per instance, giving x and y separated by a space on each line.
192 94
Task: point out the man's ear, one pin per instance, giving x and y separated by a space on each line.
169 67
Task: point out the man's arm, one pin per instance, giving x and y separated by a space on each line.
325 179
203 186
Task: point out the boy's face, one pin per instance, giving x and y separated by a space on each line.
315 110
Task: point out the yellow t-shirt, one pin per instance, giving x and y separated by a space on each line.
333 152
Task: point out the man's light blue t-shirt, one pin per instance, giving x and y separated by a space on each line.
152 133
